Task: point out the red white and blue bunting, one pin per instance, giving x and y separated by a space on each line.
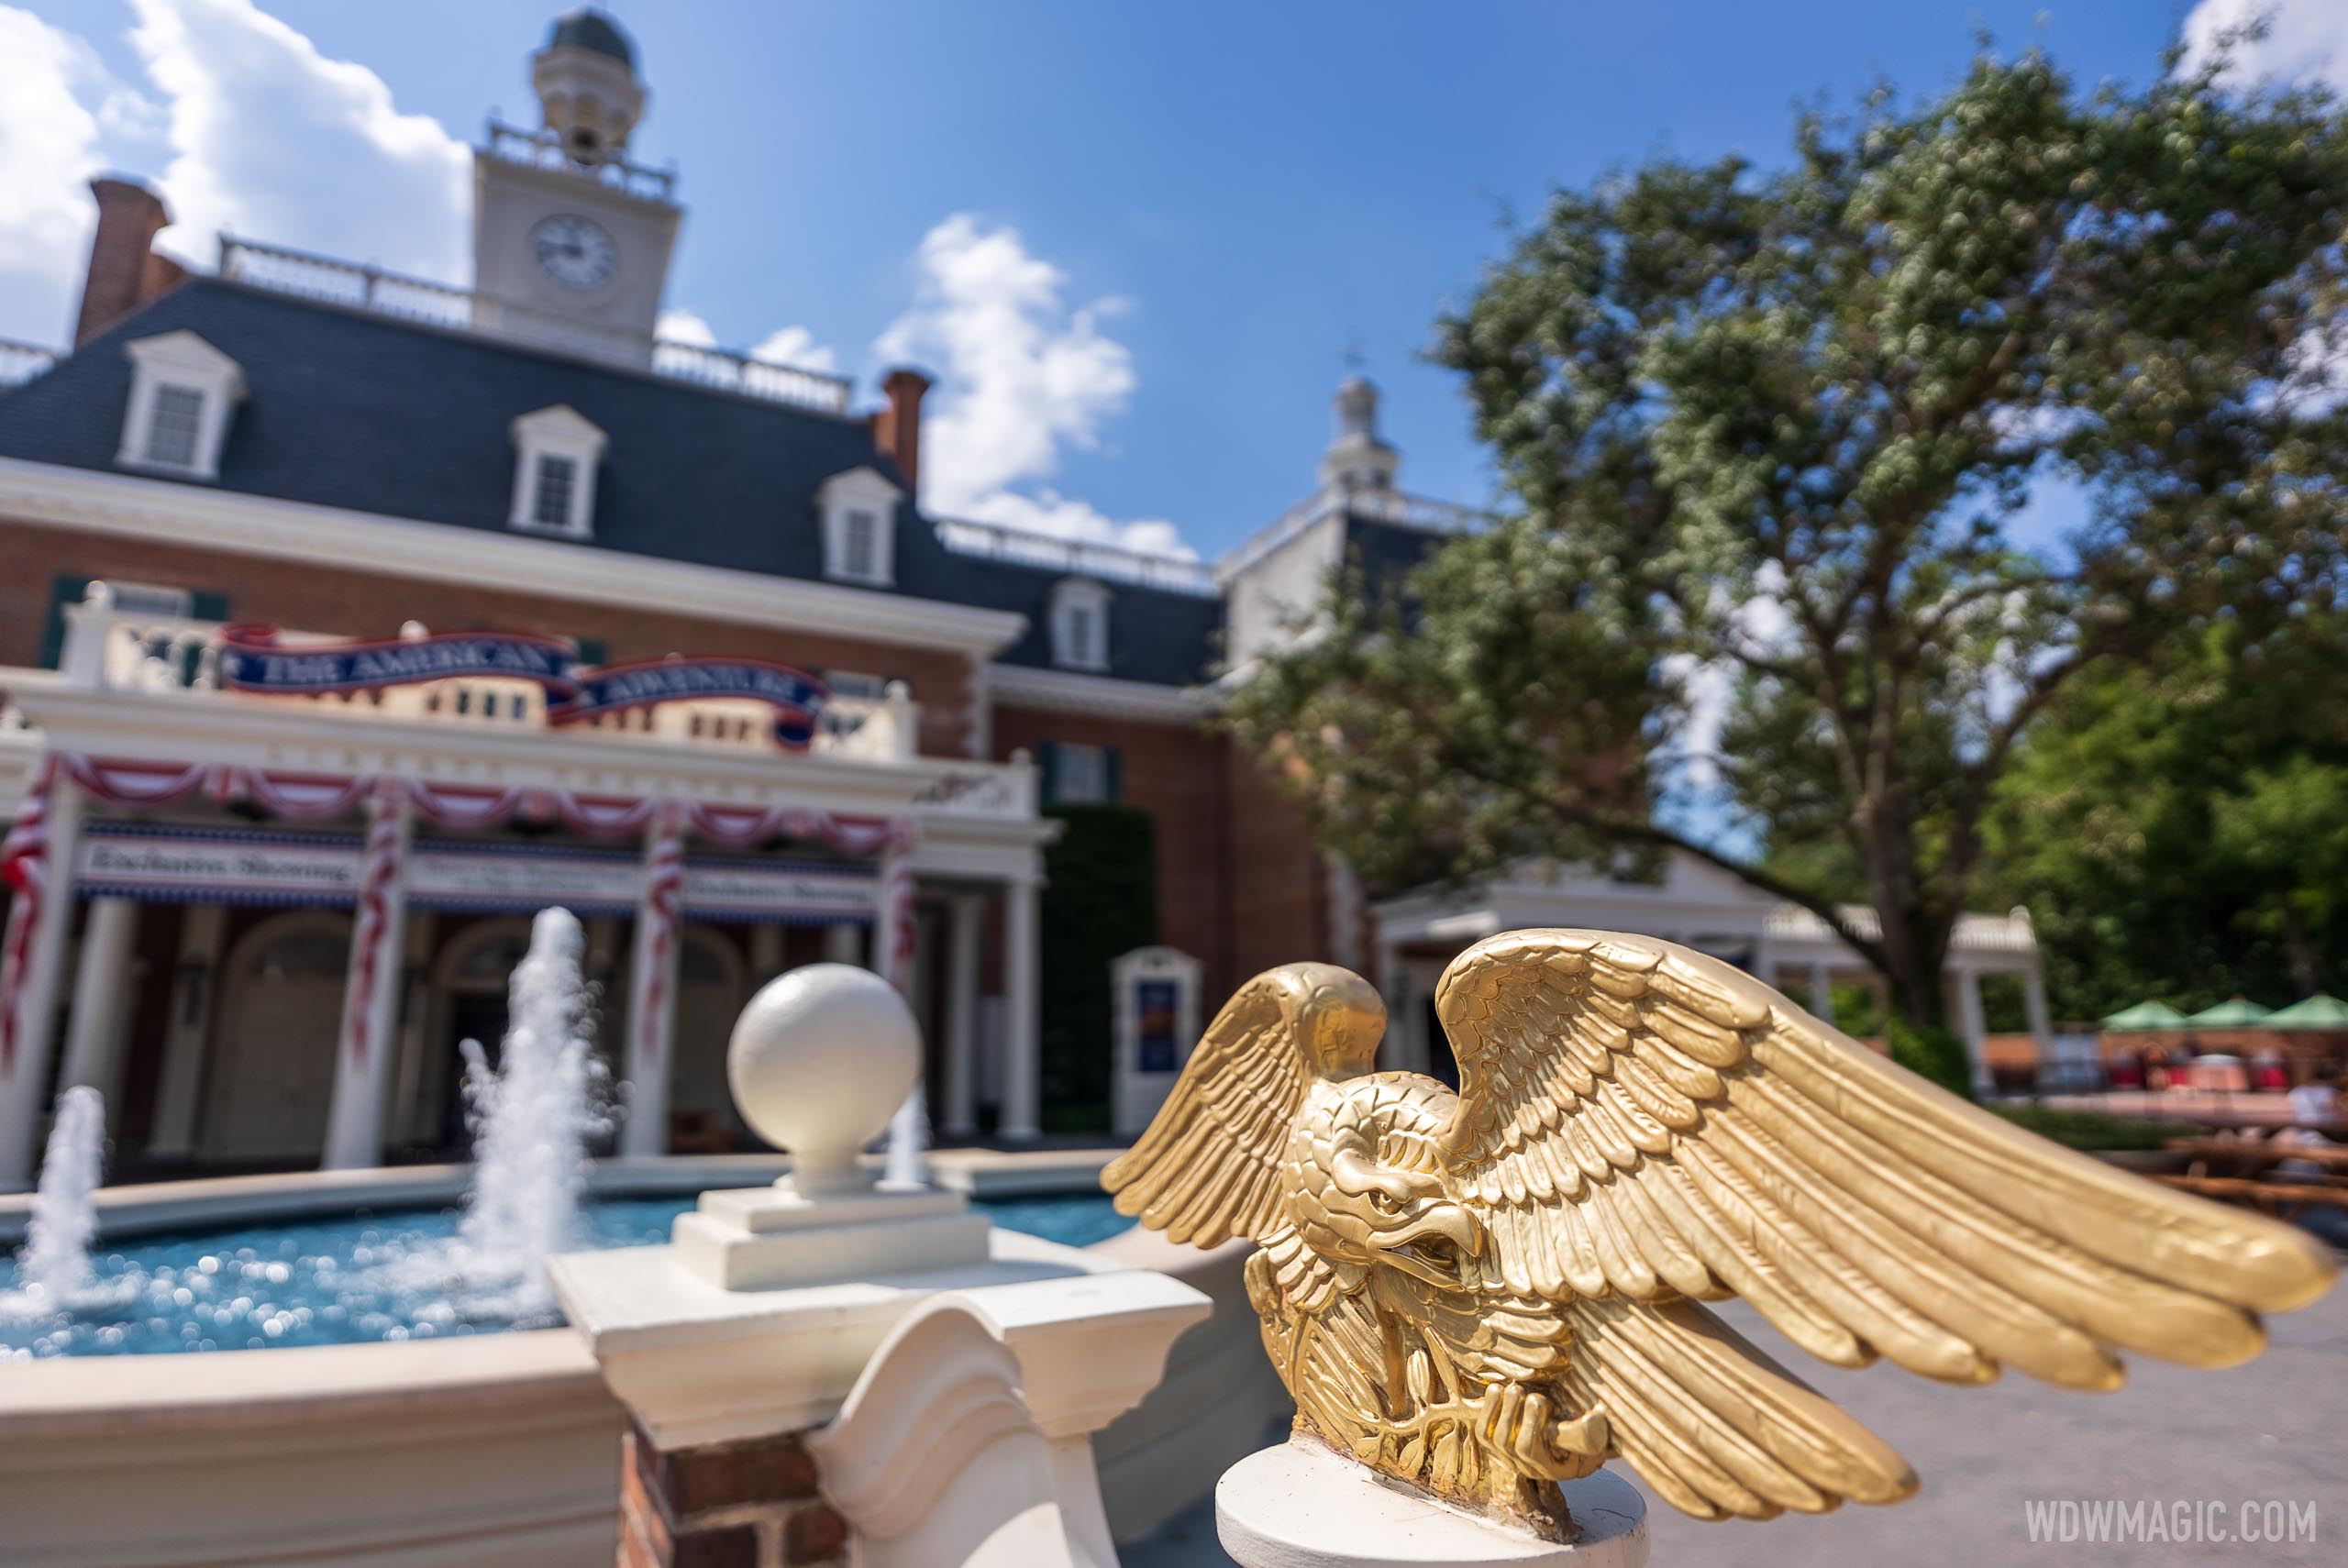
144 785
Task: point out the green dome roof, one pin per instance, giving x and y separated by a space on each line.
587 28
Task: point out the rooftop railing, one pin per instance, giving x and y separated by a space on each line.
1380 505
21 362
543 149
993 541
360 286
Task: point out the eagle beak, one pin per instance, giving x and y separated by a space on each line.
1435 1220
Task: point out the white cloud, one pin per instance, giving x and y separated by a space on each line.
272 139
1022 379
2307 41
56 100
678 324
795 346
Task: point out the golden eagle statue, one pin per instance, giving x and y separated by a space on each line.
1486 1292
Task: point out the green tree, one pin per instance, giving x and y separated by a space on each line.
1768 429
2181 829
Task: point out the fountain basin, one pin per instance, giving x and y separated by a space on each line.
285 1262
483 1448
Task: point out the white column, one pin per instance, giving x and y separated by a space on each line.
842 944
1971 1029
193 982
968 912
652 990
415 1017
102 997
1021 959
766 954
39 940
2033 1002
1821 993
368 1040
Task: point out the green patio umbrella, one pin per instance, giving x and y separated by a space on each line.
2235 1013
2146 1015
2316 1012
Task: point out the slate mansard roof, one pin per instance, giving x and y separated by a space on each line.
370 413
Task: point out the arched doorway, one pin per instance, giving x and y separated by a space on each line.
470 982
273 1055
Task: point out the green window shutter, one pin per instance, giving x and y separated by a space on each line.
1113 770
1048 780
205 605
592 651
63 589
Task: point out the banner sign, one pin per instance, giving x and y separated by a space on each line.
253 660
796 697
217 866
167 863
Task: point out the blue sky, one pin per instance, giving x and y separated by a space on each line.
1137 239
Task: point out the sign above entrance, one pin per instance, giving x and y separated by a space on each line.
217 866
795 697
252 659
256 658
160 862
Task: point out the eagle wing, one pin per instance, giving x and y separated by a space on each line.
1207 1168
1640 1121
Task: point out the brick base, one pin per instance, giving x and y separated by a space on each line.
728 1505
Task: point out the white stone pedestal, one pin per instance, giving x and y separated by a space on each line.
1301 1506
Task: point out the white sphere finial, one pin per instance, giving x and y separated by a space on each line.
820 1060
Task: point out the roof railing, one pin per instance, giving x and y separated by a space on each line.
21 362
543 149
993 541
362 286
1358 501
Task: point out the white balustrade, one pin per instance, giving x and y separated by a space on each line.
110 647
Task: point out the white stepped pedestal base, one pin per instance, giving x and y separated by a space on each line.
1300 1506
771 1238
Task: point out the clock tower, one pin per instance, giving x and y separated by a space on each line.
571 240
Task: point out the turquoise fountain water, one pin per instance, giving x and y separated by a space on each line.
411 1275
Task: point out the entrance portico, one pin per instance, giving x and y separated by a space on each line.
401 817
1697 905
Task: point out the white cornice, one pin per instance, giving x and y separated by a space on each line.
181 515
1096 696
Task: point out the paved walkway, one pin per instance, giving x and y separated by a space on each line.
2273 1430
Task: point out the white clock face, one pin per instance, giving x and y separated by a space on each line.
575 252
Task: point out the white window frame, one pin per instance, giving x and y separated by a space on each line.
184 360
841 498
559 431
1087 766
1080 602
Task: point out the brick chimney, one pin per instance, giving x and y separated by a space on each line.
124 273
896 429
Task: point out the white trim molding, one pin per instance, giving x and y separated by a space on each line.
1097 696
558 434
859 511
167 512
182 368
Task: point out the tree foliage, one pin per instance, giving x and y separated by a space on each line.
1765 434
2181 829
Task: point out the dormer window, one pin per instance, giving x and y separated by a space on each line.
858 510
555 452
1079 623
182 392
